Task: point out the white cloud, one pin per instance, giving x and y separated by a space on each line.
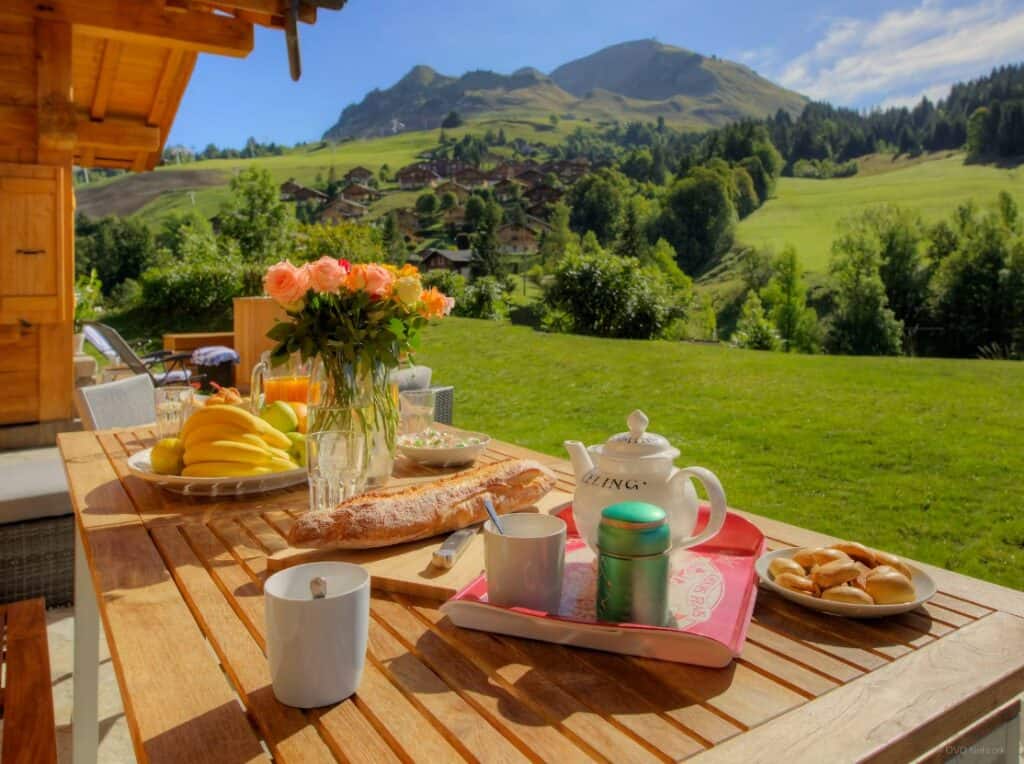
900 55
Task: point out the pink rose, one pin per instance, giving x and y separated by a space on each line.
286 284
375 280
326 275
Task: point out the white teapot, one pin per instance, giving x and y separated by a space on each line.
637 466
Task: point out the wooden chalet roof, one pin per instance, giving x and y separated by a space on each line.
101 80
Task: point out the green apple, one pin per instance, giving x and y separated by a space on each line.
280 416
297 451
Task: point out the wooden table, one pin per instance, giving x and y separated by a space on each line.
178 584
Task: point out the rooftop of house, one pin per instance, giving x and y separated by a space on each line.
452 255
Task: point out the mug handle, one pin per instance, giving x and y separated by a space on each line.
716 495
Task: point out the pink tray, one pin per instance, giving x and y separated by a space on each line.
711 596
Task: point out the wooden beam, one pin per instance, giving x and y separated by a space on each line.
147 22
105 79
168 76
54 92
119 134
307 13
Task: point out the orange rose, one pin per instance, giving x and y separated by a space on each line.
375 280
326 275
435 303
286 284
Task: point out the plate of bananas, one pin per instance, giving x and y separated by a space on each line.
226 451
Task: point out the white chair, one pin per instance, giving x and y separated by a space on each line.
122 403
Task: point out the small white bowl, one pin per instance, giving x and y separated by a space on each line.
450 456
924 586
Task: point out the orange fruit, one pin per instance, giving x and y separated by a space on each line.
302 412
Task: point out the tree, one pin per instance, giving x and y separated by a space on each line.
177 225
632 241
391 239
557 241
256 218
596 202
486 256
786 295
698 219
553 119
746 199
977 129
475 210
754 331
427 205
448 200
355 242
384 173
862 323
452 119
116 248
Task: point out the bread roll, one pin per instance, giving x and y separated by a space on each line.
383 519
889 587
846 593
856 551
834 573
816 556
796 583
781 565
884 558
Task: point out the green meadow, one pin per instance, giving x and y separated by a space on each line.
804 212
918 456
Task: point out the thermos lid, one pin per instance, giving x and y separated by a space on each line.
637 443
633 529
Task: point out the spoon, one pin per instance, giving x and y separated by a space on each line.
494 516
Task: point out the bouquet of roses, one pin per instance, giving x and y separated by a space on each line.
363 314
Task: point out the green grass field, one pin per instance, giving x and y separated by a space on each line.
805 212
918 456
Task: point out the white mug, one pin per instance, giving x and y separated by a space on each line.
317 647
525 565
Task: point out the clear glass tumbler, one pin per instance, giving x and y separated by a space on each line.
173 407
336 463
417 411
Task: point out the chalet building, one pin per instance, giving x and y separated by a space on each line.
539 211
544 194
357 192
531 176
517 238
460 192
342 209
455 216
358 174
502 171
407 221
296 192
447 168
413 177
470 177
457 260
506 190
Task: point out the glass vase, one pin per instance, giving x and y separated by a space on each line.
344 395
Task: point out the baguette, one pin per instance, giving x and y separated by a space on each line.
380 519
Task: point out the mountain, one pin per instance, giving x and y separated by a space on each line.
642 80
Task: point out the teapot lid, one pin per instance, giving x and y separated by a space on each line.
638 443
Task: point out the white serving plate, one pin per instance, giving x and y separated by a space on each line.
448 457
923 585
140 465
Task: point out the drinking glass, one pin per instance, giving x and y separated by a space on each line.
336 463
173 406
417 411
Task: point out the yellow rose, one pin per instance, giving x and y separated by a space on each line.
408 289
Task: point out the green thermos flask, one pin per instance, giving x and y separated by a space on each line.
633 541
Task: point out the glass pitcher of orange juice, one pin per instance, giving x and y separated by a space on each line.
285 382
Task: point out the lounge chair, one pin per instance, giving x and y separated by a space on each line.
162 367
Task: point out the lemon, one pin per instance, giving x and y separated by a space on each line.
166 456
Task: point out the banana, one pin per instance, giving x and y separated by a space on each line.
224 415
254 440
211 432
275 438
225 469
278 453
281 465
226 451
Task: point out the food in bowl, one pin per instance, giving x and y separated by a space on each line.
845 572
431 438
447 448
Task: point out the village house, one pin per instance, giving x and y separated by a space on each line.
544 194
470 177
407 221
359 174
413 177
457 260
460 192
539 211
296 192
358 192
506 190
446 168
513 237
342 209
531 176
455 216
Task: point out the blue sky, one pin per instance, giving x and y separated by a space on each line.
853 53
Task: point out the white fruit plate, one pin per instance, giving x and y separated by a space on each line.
924 587
140 465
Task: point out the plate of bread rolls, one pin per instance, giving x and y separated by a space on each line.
845 578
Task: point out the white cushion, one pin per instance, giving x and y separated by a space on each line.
33 488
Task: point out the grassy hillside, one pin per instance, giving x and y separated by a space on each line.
919 456
804 212
154 195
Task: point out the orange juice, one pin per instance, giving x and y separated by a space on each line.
286 389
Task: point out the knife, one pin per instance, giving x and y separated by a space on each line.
451 550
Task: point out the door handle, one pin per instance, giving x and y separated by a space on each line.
21 251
